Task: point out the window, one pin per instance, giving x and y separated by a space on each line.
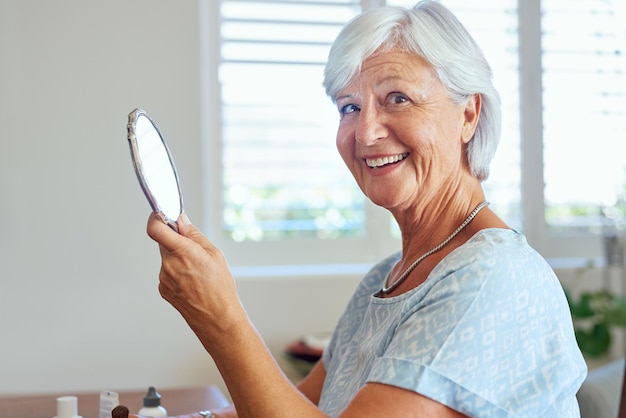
279 193
282 177
283 188
584 113
575 90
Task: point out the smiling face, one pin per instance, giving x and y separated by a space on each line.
400 133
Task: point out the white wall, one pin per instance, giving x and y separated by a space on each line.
79 305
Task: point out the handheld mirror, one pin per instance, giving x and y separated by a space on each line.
154 167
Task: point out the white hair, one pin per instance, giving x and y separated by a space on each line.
432 32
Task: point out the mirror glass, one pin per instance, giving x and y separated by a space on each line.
154 167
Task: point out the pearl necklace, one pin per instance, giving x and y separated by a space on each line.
386 290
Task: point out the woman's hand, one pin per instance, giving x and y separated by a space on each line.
195 279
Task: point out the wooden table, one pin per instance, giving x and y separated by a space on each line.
176 401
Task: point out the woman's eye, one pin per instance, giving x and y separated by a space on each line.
397 99
347 109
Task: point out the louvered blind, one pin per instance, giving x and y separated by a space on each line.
584 111
282 174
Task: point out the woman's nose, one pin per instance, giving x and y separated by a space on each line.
370 127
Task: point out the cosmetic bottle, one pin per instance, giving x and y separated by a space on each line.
67 407
152 405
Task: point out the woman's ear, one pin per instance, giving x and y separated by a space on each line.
472 113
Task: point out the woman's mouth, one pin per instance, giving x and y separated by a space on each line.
383 161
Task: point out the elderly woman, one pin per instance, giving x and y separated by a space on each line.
467 320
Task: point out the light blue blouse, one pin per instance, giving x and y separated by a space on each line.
489 334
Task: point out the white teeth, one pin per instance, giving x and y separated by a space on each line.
379 162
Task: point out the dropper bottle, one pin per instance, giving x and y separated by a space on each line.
152 405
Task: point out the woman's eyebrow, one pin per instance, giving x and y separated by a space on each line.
344 97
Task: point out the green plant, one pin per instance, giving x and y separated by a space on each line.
594 314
